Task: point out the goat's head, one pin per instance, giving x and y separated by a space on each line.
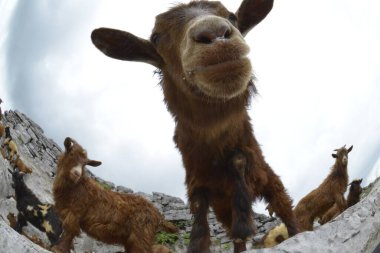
355 186
17 177
199 46
342 154
74 159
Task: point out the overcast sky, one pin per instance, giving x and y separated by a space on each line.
318 70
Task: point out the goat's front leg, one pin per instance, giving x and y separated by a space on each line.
340 202
242 217
71 229
280 202
200 233
21 222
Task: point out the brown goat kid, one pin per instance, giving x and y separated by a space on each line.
352 198
107 216
330 192
206 78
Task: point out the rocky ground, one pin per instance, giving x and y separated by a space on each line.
356 230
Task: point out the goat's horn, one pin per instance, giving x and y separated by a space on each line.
10 171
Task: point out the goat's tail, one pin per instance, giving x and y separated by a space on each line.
168 227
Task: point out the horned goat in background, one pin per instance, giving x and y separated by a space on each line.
330 192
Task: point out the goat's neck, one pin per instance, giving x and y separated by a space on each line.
22 191
200 113
340 170
62 183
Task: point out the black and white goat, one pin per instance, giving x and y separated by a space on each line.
32 210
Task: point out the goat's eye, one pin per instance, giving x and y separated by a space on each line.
155 38
232 18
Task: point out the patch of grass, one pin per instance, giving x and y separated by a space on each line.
186 239
181 224
166 238
105 186
227 246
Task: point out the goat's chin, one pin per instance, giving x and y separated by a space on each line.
223 80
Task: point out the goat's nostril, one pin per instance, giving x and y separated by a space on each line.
207 36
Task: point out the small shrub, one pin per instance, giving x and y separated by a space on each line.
166 238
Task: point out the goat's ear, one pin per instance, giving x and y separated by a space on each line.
68 143
93 163
334 155
349 150
125 46
252 12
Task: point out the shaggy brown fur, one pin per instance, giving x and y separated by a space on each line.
2 130
107 216
12 220
330 192
353 198
201 55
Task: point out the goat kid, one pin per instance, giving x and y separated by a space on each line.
107 216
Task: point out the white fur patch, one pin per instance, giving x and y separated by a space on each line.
29 208
344 159
48 228
44 209
76 173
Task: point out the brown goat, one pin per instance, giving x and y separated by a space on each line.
18 163
330 192
353 198
110 217
207 82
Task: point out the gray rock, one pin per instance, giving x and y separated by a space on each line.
123 189
356 230
11 241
